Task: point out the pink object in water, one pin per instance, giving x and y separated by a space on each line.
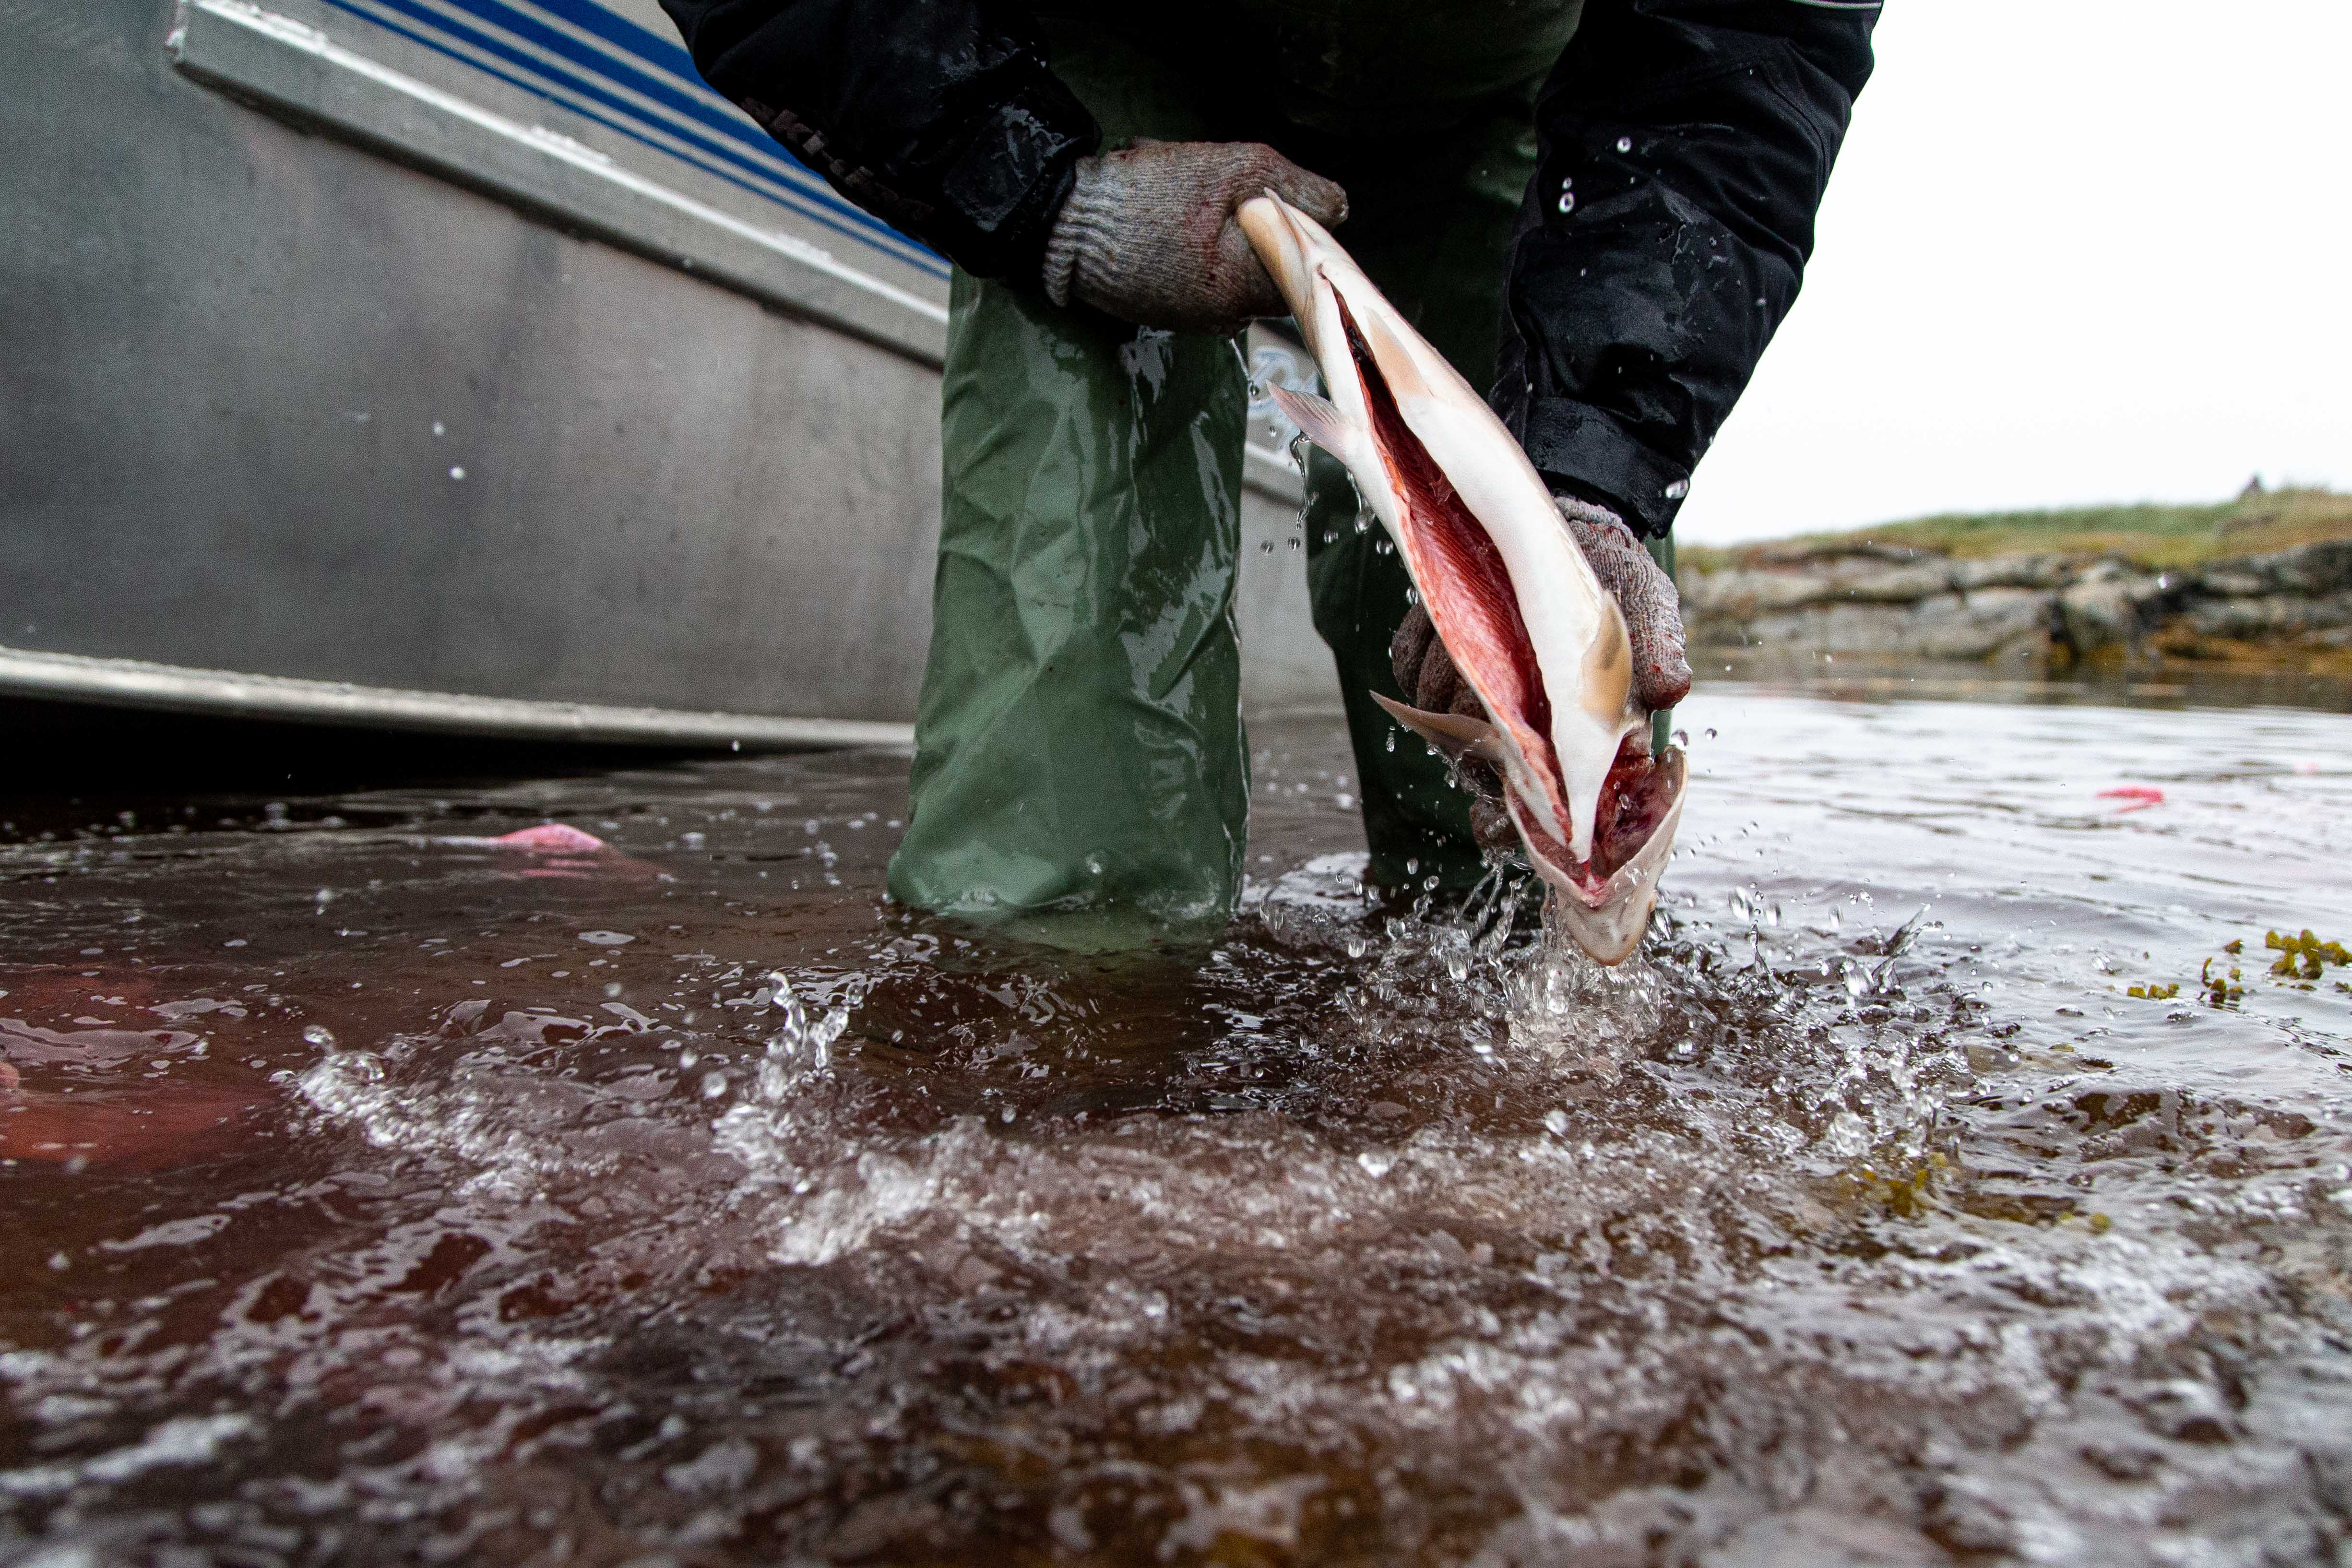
551 836
2139 796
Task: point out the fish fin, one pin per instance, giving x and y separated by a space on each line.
1454 735
1608 689
1316 419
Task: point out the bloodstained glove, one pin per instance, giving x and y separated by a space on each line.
1654 625
1148 234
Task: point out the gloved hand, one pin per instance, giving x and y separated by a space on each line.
1148 234
1654 623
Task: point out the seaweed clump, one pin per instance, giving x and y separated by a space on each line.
2304 957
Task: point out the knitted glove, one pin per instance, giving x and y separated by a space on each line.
1148 234
1653 610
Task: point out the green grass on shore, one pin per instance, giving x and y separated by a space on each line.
2159 537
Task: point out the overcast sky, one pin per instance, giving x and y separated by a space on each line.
2074 250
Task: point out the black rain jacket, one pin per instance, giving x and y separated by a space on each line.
1683 146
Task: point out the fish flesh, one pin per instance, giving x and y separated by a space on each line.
1518 609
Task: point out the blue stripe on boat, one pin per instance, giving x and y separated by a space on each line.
745 149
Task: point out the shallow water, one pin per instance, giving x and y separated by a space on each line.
374 1195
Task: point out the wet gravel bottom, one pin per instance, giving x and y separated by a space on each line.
378 1193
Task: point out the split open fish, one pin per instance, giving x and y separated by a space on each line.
1530 628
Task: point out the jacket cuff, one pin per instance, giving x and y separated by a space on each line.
1009 186
1584 452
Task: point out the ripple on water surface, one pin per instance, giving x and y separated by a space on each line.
380 1190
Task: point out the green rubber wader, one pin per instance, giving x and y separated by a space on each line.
1081 769
1078 744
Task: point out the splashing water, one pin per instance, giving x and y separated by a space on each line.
801 1227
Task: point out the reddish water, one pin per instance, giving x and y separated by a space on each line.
376 1197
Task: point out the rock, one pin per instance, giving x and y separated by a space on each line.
2011 572
2310 568
1866 629
2249 619
1744 594
2233 580
1878 584
1996 622
2106 613
1877 602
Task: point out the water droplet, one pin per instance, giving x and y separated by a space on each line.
1377 1162
1555 1123
1390 746
606 938
1709 733
456 473
1567 202
439 428
1094 866
1265 547
320 1036
1295 542
1678 489
1624 143
714 1084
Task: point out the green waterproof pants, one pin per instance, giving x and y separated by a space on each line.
1080 765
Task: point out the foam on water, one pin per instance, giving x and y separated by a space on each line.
1826 1230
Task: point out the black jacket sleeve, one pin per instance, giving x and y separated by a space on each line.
940 117
1683 146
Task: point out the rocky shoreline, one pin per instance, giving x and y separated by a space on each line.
2286 610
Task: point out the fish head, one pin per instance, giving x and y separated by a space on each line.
1605 898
